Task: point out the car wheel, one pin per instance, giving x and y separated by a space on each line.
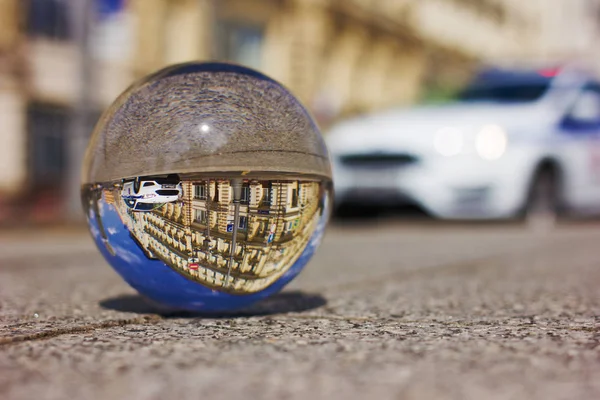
543 201
136 185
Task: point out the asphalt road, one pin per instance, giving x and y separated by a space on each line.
387 310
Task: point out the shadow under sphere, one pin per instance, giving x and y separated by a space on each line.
280 303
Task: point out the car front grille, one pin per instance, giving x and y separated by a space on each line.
378 160
167 192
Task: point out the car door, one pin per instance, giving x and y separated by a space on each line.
581 150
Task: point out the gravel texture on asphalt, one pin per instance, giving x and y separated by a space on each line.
392 310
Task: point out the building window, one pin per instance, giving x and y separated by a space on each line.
200 192
48 132
245 195
200 216
48 18
217 192
264 228
241 43
292 225
294 197
243 222
267 197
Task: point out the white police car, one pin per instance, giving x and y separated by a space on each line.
514 143
149 193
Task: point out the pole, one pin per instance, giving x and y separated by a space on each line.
207 239
236 184
82 20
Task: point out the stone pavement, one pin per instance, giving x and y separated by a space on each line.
389 310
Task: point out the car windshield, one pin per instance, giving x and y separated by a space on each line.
504 93
146 206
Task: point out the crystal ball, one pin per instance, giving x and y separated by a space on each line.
206 186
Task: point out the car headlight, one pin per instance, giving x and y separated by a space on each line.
491 142
448 141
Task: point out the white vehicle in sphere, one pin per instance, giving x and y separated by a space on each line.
515 144
149 193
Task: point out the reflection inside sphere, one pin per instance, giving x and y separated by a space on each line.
231 234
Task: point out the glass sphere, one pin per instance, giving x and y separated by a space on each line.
206 186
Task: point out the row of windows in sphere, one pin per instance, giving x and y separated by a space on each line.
201 190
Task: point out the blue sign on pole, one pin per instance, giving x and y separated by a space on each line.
229 227
271 237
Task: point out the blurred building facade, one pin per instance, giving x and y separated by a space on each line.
340 57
